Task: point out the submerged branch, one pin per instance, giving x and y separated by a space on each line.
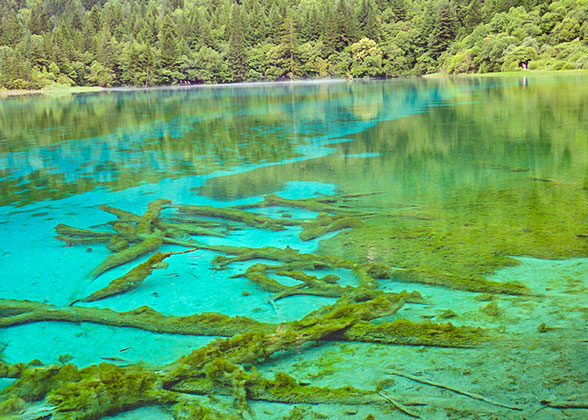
133 278
15 312
457 391
127 255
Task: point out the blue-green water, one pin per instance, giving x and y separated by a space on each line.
461 181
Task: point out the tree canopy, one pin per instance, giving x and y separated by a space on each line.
160 42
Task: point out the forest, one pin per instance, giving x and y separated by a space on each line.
177 42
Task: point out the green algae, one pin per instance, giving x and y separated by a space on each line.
106 389
283 388
8 370
295 414
287 389
189 410
86 394
492 310
11 406
485 297
475 232
447 314
35 382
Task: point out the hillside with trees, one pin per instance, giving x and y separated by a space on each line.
166 42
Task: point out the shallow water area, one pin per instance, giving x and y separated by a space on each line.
287 199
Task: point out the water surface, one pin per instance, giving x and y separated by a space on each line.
480 179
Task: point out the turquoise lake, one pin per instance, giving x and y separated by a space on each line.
471 192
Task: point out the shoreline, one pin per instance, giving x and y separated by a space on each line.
503 73
48 91
92 89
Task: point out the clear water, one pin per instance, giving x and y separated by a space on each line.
475 177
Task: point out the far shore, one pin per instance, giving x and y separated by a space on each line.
49 91
85 89
519 72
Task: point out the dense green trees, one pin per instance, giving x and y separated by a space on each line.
137 43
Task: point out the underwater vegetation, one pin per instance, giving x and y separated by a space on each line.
228 366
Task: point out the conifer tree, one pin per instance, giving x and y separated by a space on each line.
288 37
368 20
236 54
168 52
444 30
346 25
329 34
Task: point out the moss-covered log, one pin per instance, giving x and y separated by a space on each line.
123 215
478 284
126 231
133 278
283 388
145 224
254 347
404 332
62 229
76 236
220 366
323 204
127 255
69 241
106 389
326 224
16 312
311 285
183 229
250 219
285 255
